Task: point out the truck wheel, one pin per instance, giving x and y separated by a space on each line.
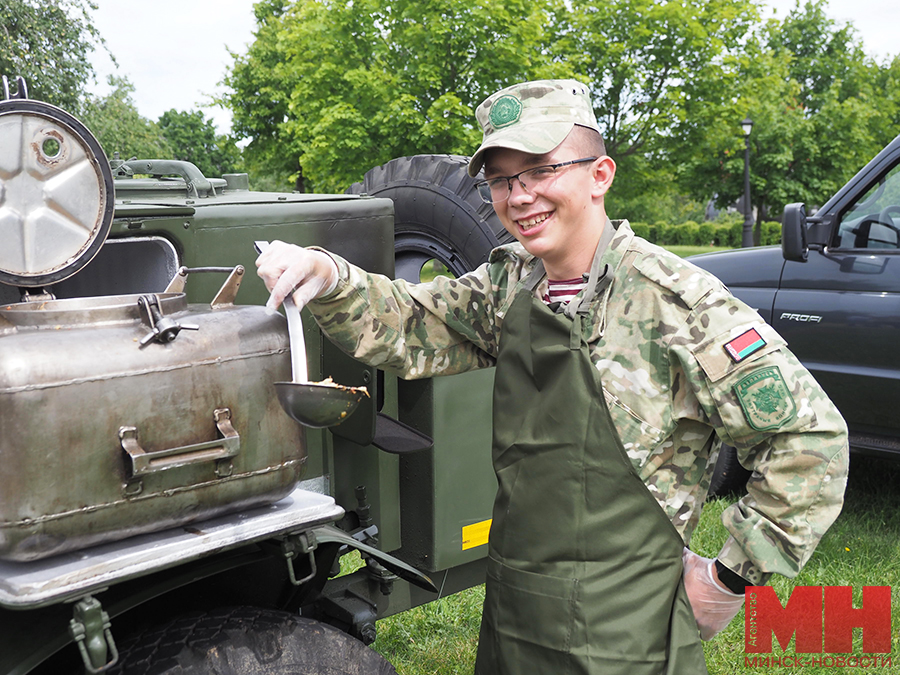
438 214
728 475
247 641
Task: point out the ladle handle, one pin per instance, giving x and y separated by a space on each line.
295 331
298 342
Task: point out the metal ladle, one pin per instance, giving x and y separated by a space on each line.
312 404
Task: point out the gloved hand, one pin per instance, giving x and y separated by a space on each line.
714 605
287 268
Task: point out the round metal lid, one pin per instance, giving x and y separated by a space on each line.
56 194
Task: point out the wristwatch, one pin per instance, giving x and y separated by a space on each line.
731 580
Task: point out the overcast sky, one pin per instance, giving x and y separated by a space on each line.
175 52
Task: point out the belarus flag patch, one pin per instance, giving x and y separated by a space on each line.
744 345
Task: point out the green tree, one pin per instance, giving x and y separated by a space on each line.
194 139
119 127
824 54
819 114
645 192
330 89
643 58
887 81
47 42
646 61
261 86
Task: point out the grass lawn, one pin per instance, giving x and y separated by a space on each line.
685 251
861 549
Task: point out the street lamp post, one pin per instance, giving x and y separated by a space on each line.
747 239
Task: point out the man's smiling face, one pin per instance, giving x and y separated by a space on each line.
557 220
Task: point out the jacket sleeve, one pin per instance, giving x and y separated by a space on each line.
762 401
416 330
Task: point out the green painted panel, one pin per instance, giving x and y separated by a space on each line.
451 486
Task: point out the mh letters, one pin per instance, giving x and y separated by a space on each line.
822 618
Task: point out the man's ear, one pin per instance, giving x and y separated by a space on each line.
603 171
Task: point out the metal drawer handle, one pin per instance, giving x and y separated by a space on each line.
143 462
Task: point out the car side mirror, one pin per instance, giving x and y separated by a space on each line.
793 233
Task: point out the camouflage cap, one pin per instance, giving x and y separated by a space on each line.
533 117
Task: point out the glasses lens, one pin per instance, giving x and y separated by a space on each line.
486 192
493 191
536 175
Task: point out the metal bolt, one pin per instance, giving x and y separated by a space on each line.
367 633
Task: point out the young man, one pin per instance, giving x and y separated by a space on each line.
616 365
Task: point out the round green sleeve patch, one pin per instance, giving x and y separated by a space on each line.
766 399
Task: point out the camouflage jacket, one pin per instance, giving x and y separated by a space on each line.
662 337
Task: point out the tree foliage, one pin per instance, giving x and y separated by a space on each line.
646 62
48 42
329 89
193 138
119 127
644 58
818 109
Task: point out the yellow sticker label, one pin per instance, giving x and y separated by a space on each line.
475 534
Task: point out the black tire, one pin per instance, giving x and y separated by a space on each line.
437 213
729 476
247 641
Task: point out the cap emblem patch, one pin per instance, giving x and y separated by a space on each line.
505 111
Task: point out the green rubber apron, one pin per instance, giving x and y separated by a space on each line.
584 568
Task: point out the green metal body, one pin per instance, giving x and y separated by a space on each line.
444 489
220 231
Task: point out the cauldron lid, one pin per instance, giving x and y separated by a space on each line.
56 194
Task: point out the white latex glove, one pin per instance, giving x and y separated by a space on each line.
714 605
287 268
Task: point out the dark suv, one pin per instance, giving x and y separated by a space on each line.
833 292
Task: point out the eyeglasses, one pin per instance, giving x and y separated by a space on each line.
496 190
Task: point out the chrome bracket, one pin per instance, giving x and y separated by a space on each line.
220 450
39 295
227 293
21 88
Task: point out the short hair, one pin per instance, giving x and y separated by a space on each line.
589 141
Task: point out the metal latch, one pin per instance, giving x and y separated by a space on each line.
162 328
300 544
90 628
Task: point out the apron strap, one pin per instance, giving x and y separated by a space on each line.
532 280
598 280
